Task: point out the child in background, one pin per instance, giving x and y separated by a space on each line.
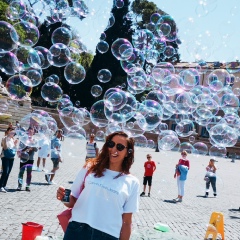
150 167
211 177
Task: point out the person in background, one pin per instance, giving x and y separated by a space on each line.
181 172
43 153
18 125
10 125
211 177
233 157
55 156
26 164
91 147
150 167
8 142
104 208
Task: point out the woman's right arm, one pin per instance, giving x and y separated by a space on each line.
60 195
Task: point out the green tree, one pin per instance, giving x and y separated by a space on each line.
122 28
143 11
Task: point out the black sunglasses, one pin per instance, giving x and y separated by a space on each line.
119 146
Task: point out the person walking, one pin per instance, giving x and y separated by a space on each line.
26 163
211 177
91 147
150 167
9 149
104 208
55 156
181 172
43 153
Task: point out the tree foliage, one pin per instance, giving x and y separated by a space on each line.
122 28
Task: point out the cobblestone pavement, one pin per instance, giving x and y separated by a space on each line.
187 220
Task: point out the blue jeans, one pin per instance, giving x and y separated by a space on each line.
212 181
82 231
7 165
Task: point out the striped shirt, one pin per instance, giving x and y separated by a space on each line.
91 149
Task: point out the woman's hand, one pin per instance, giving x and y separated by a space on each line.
60 193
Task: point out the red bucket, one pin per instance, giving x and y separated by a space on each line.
30 230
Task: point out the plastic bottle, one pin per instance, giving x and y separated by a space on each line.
161 227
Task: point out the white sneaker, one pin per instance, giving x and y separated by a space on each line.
178 200
52 183
3 190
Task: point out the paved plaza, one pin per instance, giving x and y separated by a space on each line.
187 220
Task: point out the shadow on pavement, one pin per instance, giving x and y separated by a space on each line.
38 183
234 210
9 190
233 217
169 201
203 196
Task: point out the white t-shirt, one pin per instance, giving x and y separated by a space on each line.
210 172
45 148
104 200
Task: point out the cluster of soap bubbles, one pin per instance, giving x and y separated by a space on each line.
174 94
33 131
25 63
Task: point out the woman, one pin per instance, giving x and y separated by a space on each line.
104 208
181 172
211 178
8 144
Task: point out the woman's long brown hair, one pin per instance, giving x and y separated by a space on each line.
99 164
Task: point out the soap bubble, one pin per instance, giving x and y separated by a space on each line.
96 90
61 35
43 55
74 73
8 43
97 114
102 46
9 63
59 55
122 49
51 92
104 75
16 89
200 148
28 34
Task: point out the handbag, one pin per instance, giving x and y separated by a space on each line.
66 215
9 153
206 179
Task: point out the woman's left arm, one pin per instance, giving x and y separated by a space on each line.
126 226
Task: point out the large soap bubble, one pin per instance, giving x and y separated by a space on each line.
122 49
16 89
9 63
28 34
51 92
61 35
8 42
149 115
97 114
59 55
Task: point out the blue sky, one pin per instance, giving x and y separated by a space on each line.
208 29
